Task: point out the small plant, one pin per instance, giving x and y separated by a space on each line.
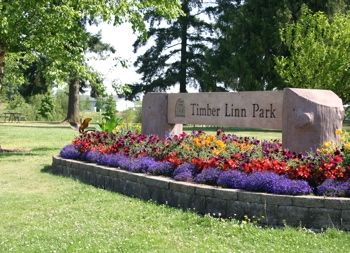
109 118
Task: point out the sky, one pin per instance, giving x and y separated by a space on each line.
122 39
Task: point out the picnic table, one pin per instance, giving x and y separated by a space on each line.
13 116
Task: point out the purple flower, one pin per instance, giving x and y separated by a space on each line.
112 160
291 187
334 188
123 162
161 168
185 172
70 152
208 176
141 165
261 181
272 183
91 156
232 179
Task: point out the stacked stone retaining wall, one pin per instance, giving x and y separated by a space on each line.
270 209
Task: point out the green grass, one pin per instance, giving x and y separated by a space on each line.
40 212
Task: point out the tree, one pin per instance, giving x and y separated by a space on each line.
178 54
55 30
319 53
249 40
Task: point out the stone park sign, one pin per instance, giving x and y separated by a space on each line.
306 117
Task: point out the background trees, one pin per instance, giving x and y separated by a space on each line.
178 54
250 39
31 31
319 53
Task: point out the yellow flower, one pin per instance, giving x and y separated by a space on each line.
215 151
339 132
327 144
197 142
220 144
347 146
244 146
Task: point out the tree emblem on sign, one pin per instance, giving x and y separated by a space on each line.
180 108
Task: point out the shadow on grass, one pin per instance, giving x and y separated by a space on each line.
17 153
44 149
34 126
47 169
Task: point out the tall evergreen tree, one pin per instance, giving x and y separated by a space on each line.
179 51
249 39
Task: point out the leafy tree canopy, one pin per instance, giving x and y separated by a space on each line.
55 30
319 53
250 39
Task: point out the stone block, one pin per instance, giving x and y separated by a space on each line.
99 181
310 118
236 209
182 187
252 197
293 215
345 219
216 207
126 175
117 185
180 199
145 192
160 195
155 116
280 200
337 203
132 189
154 181
271 216
257 212
198 204
57 169
228 194
321 218
308 201
204 190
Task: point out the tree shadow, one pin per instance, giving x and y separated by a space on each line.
47 169
17 153
44 149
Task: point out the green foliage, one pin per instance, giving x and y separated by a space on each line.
319 53
109 118
55 30
249 39
179 52
46 107
16 102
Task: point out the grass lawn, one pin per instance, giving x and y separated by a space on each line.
40 212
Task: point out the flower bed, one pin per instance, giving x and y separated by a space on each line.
223 159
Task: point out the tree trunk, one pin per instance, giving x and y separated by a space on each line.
183 63
73 101
2 65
